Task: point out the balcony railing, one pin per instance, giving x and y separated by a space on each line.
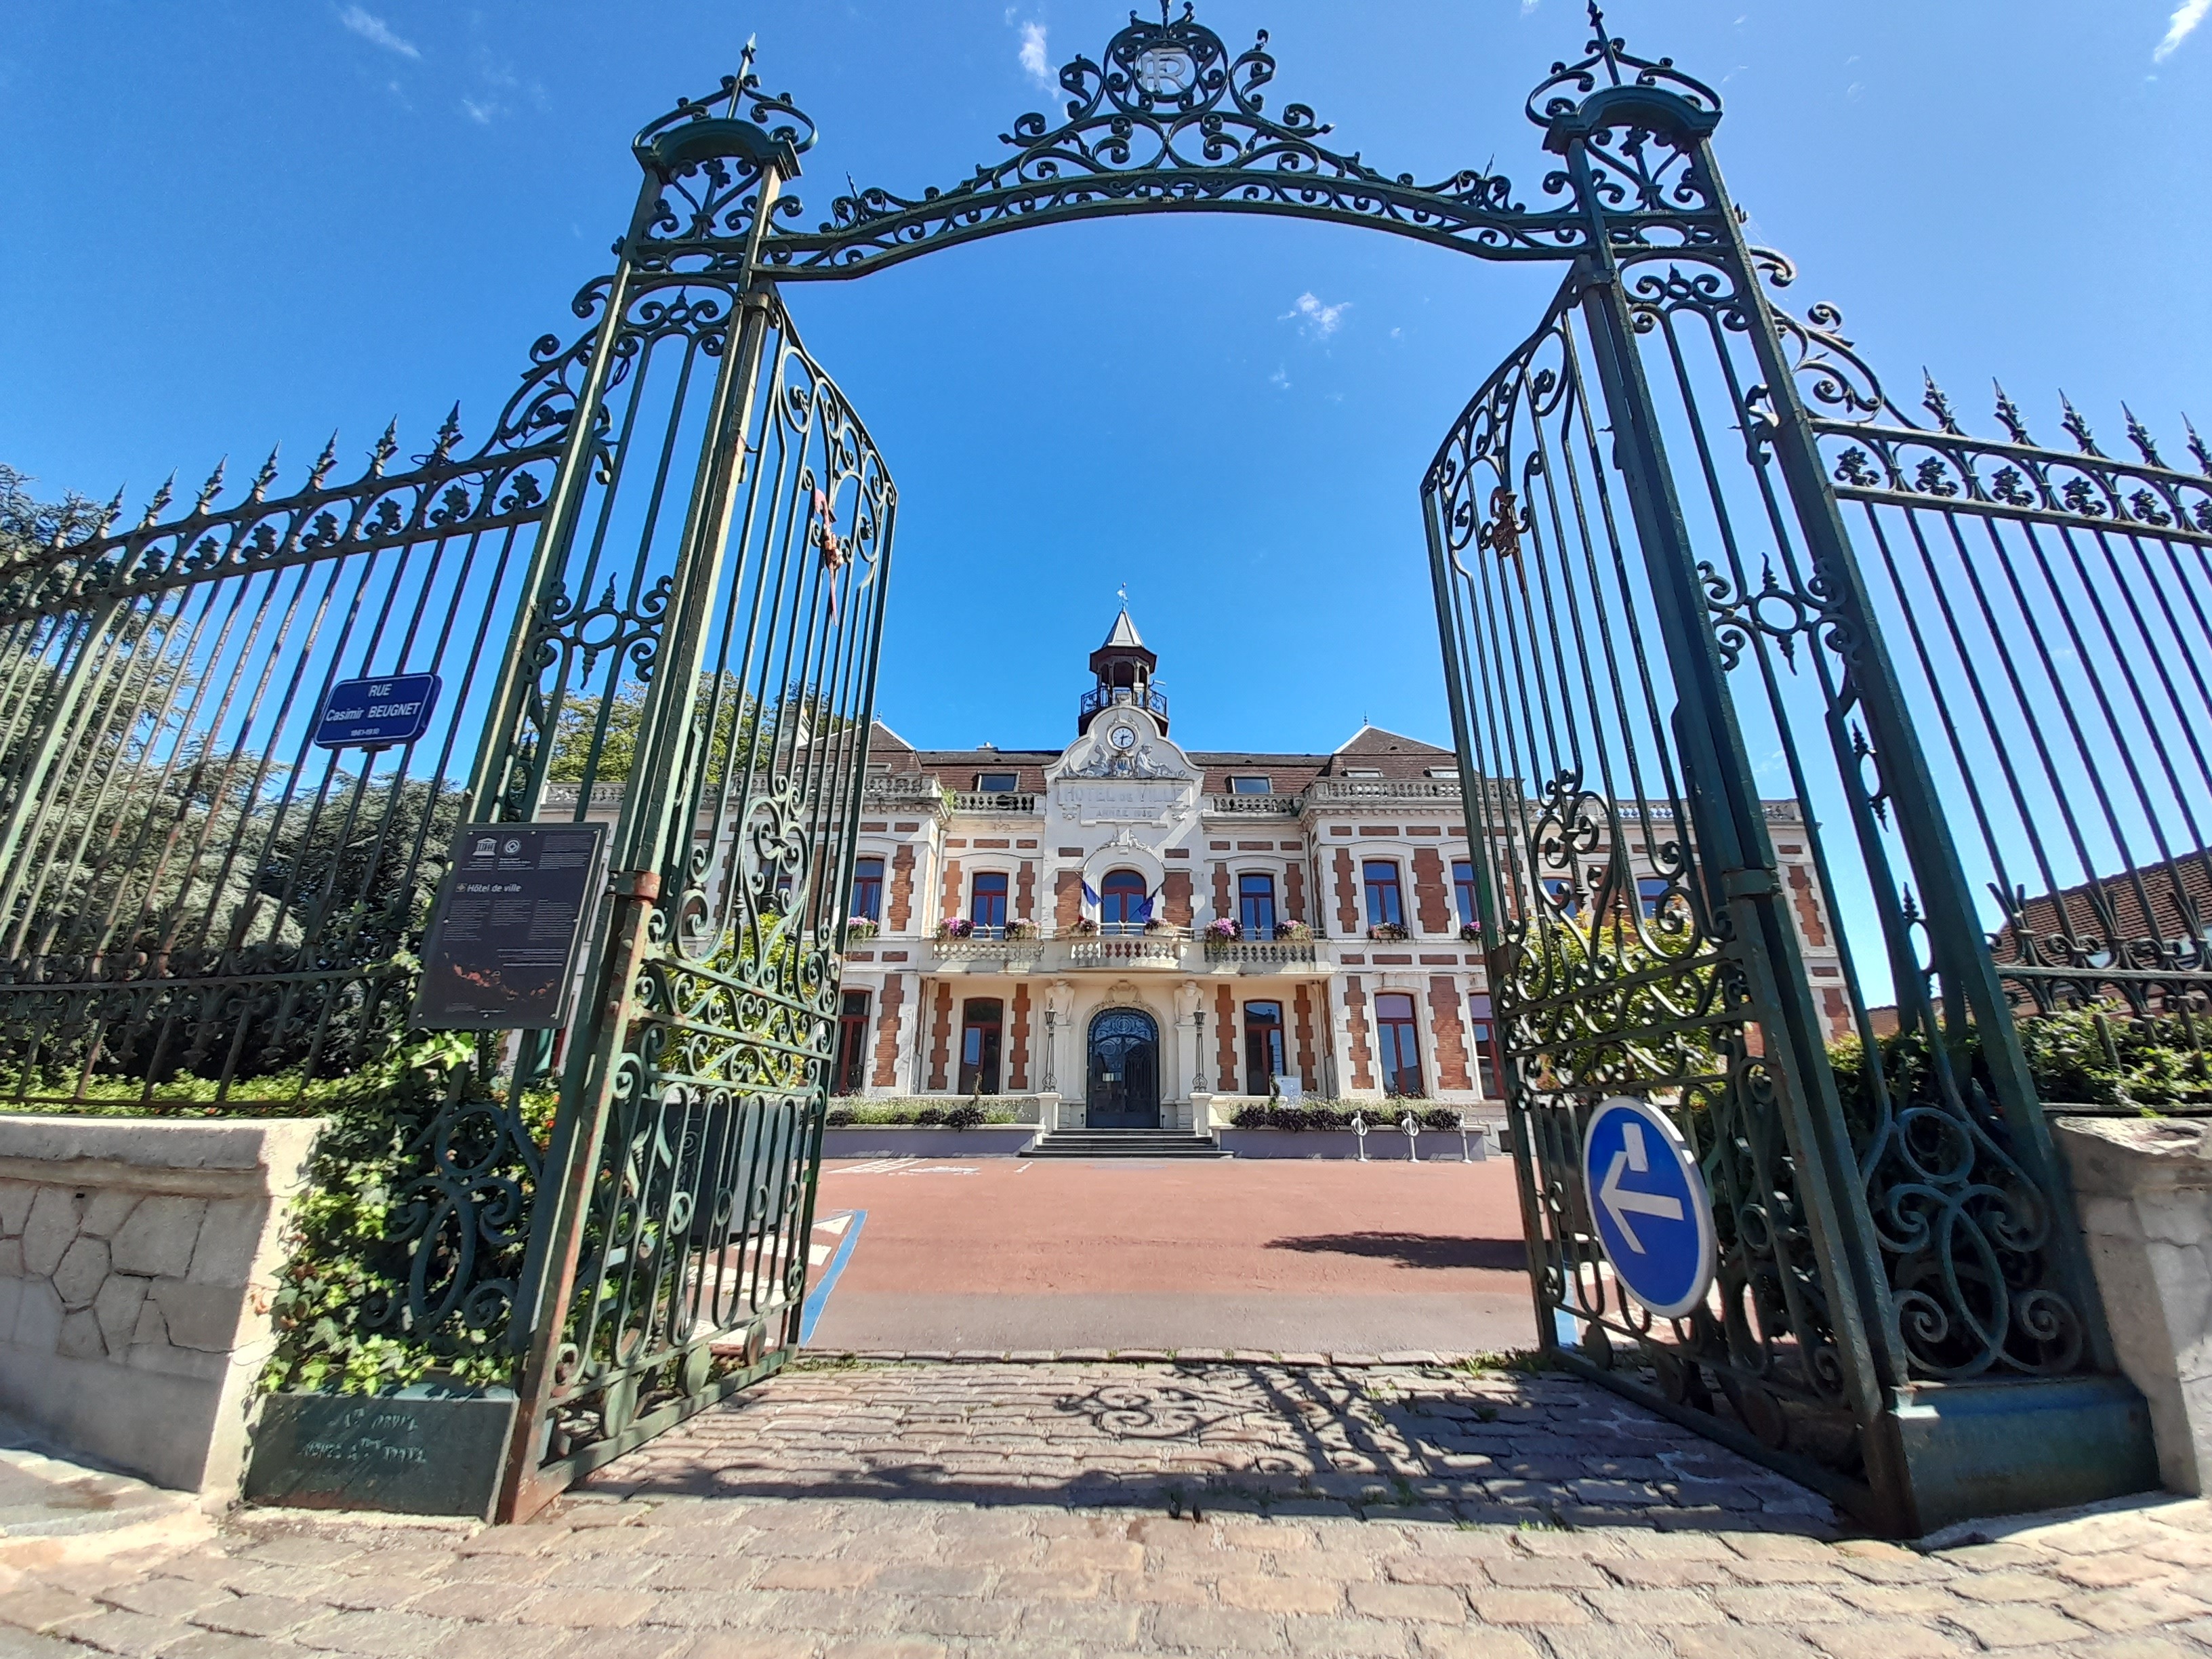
904 786
1136 951
1385 789
1155 699
1286 806
1266 952
969 949
1020 803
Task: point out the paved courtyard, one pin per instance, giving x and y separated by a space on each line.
1084 1510
1000 1254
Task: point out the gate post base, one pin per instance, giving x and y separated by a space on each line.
1963 1451
424 1450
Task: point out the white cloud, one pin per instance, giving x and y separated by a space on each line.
2183 24
376 32
1033 58
1280 379
483 114
1318 320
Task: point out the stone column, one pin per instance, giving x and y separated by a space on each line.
2144 1190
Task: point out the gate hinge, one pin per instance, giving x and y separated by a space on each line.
1749 883
635 884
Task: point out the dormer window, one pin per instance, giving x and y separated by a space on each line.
1251 786
1356 772
997 783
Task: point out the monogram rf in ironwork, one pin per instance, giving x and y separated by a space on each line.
1690 561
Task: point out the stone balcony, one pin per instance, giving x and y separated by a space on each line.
1166 952
1266 956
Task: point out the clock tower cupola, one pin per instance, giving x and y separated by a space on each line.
1124 668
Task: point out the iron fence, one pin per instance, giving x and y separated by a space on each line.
195 900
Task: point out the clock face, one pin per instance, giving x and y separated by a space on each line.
1122 736
1166 72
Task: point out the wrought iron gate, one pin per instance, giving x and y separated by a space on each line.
731 516
1643 581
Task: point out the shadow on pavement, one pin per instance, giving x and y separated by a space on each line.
1413 1250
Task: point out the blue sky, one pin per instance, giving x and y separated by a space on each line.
241 222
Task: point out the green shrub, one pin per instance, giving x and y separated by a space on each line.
851 1110
340 1308
2077 1057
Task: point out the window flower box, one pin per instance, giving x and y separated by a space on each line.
1086 928
956 927
1222 931
860 929
1155 927
1020 930
1470 932
1388 930
1295 933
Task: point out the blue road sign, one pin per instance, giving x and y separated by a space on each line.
377 713
1648 1201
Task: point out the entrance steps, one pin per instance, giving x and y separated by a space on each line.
1125 1143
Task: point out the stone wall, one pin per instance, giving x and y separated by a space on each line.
2144 1189
138 1258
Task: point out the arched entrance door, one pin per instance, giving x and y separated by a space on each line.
1123 1071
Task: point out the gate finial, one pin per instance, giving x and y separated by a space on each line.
212 488
1604 45
2196 447
162 496
745 72
2009 415
2139 435
2077 427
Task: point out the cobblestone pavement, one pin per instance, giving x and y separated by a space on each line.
1085 1511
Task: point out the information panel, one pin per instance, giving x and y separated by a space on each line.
377 713
509 923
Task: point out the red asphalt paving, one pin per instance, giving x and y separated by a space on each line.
1278 1255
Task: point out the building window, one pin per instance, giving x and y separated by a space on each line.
997 783
1651 892
852 1042
1451 772
1360 772
980 1019
1463 890
1562 894
868 888
1251 786
1482 1039
1123 904
1384 908
987 905
1256 905
1263 1046
1399 1038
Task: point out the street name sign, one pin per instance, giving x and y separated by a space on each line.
379 714
1647 1199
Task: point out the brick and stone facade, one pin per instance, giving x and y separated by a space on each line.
1193 826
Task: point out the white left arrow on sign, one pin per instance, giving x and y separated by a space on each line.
1623 1201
